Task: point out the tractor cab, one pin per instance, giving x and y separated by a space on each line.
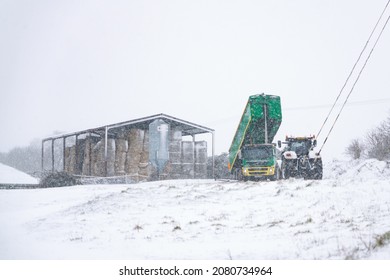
300 145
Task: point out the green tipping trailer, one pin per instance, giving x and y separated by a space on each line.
252 154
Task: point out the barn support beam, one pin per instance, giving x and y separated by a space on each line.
105 150
52 155
213 151
63 153
193 156
76 169
90 154
42 154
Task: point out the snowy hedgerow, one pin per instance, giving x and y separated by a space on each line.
58 179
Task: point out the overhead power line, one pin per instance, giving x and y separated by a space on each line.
353 68
358 77
356 103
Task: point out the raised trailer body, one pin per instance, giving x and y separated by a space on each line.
252 154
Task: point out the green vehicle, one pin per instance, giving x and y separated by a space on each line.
252 155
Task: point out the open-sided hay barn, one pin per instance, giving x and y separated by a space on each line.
150 148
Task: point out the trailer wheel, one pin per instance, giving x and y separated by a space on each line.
277 174
238 174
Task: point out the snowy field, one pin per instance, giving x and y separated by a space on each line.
344 216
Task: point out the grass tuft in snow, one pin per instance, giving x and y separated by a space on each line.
309 220
138 228
382 240
353 254
176 228
229 255
274 223
302 232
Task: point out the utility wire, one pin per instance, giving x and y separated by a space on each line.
319 106
353 69
357 79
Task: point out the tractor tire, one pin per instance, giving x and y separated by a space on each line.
286 173
318 170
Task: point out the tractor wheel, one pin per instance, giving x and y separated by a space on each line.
317 172
285 171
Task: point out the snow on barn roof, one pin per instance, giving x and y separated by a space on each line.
187 128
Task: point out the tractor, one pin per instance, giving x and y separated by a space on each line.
299 160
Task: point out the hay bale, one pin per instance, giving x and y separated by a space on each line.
67 159
72 160
120 156
200 159
86 167
133 157
144 166
110 157
187 159
99 161
173 167
98 164
80 156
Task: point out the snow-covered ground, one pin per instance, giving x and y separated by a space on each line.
9 175
346 215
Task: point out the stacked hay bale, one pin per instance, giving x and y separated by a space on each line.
98 158
67 159
110 157
201 159
80 151
98 163
87 166
67 152
71 159
120 156
173 168
187 160
135 147
145 168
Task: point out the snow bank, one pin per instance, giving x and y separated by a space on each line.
9 175
357 170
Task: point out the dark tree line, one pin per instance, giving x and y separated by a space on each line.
26 159
220 168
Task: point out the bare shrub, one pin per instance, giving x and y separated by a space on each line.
378 142
382 239
355 149
375 144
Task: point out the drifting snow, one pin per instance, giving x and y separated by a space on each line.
336 218
358 170
9 175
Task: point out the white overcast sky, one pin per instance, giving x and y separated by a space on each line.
72 65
